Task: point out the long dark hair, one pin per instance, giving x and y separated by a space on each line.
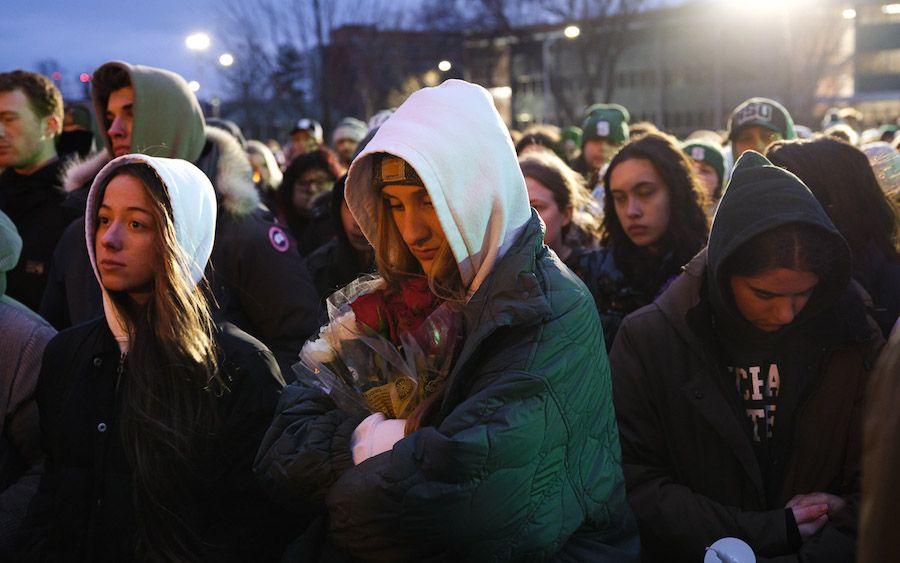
688 225
168 391
840 177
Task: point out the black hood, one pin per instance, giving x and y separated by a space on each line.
761 197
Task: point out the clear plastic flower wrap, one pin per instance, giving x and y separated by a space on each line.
382 352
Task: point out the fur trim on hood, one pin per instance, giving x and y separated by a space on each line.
222 160
80 172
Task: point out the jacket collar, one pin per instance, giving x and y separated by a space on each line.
511 295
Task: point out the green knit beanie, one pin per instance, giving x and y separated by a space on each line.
707 152
606 121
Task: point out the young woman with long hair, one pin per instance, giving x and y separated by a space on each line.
840 177
739 391
151 415
515 455
653 224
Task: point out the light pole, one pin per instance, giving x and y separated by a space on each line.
570 32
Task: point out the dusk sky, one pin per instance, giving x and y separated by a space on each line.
82 34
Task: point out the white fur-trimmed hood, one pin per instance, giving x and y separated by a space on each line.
80 172
233 173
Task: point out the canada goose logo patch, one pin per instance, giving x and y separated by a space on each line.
279 239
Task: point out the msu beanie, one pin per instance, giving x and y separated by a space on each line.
763 112
606 121
709 153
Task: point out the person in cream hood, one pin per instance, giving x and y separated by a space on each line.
516 455
151 415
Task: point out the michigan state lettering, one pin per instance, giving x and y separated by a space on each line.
758 390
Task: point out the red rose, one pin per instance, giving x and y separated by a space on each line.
418 296
393 315
370 312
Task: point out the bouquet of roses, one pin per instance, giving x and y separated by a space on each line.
383 352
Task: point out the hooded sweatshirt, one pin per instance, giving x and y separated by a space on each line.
474 181
86 508
682 365
193 205
156 92
768 368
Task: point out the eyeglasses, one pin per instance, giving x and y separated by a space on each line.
315 187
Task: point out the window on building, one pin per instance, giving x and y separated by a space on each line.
880 62
874 14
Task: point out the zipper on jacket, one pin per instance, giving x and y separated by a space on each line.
119 371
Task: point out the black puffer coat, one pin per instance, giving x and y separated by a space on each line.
83 510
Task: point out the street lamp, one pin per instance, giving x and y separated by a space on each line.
570 32
444 66
198 43
226 59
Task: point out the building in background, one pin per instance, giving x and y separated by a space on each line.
686 67
877 58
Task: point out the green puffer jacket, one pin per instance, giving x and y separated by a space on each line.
524 464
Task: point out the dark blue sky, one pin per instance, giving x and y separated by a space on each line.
82 34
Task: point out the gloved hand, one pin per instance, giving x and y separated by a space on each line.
374 435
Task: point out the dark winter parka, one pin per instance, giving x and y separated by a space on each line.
35 204
521 460
336 263
693 472
84 511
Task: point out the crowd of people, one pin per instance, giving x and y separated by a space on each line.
661 342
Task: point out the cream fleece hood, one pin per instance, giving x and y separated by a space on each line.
459 146
193 203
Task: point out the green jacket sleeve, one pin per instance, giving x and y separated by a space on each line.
467 487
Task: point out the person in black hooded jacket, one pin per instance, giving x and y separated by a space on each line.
345 257
739 391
